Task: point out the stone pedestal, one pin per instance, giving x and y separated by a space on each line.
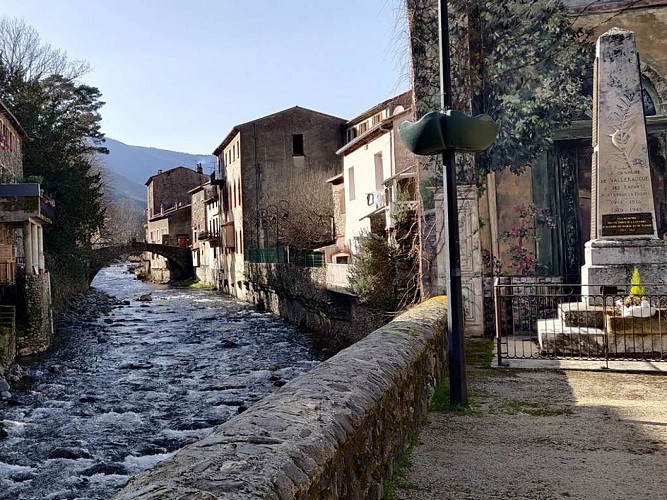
610 262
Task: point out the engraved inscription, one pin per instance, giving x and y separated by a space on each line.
639 224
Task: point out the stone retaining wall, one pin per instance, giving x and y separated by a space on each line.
296 294
35 325
333 433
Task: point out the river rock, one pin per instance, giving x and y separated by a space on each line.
145 297
15 373
105 468
228 344
71 453
4 386
22 476
5 395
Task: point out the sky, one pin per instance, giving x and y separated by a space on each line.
179 75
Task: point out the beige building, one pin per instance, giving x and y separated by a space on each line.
275 148
206 235
169 215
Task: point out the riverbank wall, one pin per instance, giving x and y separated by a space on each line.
26 326
298 295
335 432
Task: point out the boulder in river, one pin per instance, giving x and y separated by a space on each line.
145 297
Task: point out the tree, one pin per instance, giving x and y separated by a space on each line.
23 51
124 222
304 210
520 61
62 118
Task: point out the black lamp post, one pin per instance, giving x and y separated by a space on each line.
447 132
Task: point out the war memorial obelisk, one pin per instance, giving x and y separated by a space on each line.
623 222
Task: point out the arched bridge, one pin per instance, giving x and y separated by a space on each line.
179 258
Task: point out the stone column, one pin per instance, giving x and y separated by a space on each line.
27 246
35 248
40 249
623 222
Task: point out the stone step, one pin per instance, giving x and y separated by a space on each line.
556 338
581 314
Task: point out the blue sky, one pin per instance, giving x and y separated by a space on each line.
179 75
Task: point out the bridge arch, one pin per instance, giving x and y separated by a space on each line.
179 258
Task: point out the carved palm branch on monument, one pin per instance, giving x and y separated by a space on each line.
626 124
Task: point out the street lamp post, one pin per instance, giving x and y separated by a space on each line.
455 346
447 132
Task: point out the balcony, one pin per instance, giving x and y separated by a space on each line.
19 202
208 236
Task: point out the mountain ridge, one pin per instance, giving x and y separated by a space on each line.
129 167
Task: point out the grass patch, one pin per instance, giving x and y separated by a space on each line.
441 399
479 352
401 471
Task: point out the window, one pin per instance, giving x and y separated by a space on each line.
363 127
379 172
350 182
351 134
297 144
377 118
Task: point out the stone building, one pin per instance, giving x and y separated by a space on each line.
169 215
205 235
277 148
26 324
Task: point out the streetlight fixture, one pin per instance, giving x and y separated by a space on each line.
447 132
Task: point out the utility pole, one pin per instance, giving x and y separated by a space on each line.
458 391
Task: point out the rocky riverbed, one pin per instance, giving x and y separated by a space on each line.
129 381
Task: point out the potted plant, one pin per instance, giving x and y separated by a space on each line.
637 304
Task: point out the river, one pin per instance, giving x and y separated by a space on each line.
122 391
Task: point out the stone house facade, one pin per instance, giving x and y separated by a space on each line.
26 320
169 215
378 171
206 234
275 148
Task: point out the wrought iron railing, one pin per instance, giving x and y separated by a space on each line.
568 321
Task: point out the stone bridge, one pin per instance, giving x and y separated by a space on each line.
178 258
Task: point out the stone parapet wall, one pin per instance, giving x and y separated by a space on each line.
35 325
336 432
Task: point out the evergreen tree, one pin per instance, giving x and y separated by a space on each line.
62 118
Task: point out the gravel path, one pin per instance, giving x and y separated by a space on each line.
539 435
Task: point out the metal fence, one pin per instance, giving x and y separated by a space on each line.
283 255
575 321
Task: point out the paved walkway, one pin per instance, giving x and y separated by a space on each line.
543 435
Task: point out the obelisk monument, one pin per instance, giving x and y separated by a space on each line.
623 222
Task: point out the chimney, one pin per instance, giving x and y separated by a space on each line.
198 168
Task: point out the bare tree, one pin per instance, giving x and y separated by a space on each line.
23 51
299 210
